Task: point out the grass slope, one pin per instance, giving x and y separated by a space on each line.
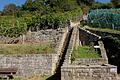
85 52
104 30
25 48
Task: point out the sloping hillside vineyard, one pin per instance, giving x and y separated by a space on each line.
13 26
104 18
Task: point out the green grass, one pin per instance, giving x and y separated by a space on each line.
105 30
25 48
14 79
36 77
85 52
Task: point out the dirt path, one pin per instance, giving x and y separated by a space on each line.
73 24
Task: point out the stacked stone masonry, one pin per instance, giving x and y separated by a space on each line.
82 72
104 33
30 64
89 61
33 64
87 69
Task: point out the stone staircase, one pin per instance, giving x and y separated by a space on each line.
82 70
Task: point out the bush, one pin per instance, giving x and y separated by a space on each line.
112 46
14 27
53 20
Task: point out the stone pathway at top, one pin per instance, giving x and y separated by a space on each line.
73 24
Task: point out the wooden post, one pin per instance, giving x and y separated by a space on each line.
23 39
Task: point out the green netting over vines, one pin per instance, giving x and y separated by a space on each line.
104 18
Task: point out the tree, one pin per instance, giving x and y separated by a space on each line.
112 45
97 5
40 6
29 6
10 9
68 5
65 5
46 6
85 2
116 3
0 13
115 0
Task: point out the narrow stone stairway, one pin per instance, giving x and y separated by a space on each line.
57 75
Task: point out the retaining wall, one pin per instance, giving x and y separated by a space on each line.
48 35
42 36
70 48
30 64
33 64
87 69
86 37
82 72
104 33
89 61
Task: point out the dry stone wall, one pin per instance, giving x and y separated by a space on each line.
90 61
86 37
104 33
82 72
87 69
70 46
48 35
8 40
42 36
30 64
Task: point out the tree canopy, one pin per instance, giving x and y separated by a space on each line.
10 9
116 3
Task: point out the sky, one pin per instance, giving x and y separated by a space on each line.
104 1
20 2
5 2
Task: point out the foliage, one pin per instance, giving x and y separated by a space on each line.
112 46
37 15
28 5
10 9
12 27
86 2
116 3
47 6
62 5
104 18
52 20
115 0
25 48
104 30
98 5
85 52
